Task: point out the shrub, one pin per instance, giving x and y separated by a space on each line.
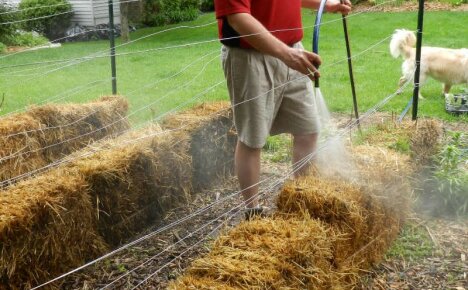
452 175
3 48
7 31
449 183
54 26
162 12
207 5
29 39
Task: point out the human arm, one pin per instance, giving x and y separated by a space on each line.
333 6
262 40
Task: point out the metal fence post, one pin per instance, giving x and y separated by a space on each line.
112 47
418 59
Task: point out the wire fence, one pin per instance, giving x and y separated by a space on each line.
47 67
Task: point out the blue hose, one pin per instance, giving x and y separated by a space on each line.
315 37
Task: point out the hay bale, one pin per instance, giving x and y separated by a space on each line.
132 185
73 212
332 201
425 140
196 283
423 137
47 226
212 141
47 133
367 215
385 173
266 254
20 143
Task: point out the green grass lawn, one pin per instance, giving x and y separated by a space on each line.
142 77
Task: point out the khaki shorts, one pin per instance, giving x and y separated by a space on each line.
262 102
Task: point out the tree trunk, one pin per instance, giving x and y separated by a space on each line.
124 22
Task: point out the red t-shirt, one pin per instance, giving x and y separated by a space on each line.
273 14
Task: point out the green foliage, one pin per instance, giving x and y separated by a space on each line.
207 5
51 26
29 39
7 31
162 12
354 2
3 47
378 2
451 174
414 243
278 148
402 144
455 2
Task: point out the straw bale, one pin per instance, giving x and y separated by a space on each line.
425 140
134 184
103 116
82 207
212 141
20 143
335 202
266 254
367 214
196 283
423 137
386 174
40 127
47 226
365 222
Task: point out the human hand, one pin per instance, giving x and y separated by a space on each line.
303 61
335 6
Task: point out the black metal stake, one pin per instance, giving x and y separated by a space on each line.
418 59
350 68
112 47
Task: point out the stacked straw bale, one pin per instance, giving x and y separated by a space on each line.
425 140
104 194
367 213
46 133
211 148
133 184
47 225
109 196
325 231
365 226
266 254
423 137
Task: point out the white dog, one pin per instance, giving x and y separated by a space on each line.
449 66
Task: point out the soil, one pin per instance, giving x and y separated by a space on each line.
164 256
445 268
171 251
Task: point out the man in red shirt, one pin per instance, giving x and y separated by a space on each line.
265 67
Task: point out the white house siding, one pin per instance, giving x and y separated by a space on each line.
93 12
82 12
86 12
101 12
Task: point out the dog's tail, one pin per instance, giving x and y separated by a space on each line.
402 43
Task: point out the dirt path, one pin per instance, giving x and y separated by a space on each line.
444 267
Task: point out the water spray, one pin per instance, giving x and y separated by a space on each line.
335 159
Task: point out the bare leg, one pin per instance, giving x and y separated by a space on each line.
303 145
247 161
